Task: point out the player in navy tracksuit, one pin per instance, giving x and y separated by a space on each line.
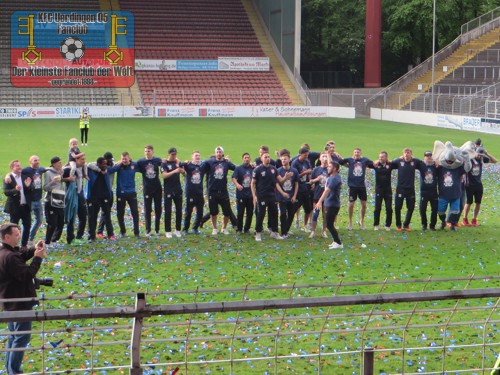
193 189
428 190
125 171
288 178
474 185
264 184
383 190
331 199
356 182
303 165
149 166
318 179
216 170
242 179
171 170
405 188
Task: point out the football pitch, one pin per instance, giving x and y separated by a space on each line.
205 261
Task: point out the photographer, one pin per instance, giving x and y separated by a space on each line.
17 281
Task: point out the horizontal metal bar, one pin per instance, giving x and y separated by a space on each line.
273 304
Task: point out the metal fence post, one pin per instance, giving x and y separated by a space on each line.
135 347
368 356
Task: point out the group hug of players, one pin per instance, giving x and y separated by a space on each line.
277 187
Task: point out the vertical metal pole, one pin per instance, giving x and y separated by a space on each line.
368 356
135 347
433 53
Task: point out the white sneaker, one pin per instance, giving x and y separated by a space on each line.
323 234
225 231
276 236
361 226
169 234
305 229
215 232
376 227
312 234
335 245
177 234
258 237
349 227
388 229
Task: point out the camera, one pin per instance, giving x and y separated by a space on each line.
46 281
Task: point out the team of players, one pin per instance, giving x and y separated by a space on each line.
309 180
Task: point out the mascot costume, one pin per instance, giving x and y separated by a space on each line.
453 163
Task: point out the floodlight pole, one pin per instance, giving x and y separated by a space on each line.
433 54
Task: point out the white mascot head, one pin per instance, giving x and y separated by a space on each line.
450 157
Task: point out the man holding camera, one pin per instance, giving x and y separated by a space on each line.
17 281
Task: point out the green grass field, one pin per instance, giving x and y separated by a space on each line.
130 265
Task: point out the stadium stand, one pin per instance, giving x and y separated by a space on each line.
200 30
15 96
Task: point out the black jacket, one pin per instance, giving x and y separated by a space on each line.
13 201
16 277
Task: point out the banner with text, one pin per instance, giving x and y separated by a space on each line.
72 49
222 64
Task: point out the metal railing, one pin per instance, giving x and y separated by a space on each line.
480 21
323 328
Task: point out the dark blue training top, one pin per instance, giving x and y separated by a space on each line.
304 180
357 171
172 184
406 172
334 183
319 187
450 183
473 176
193 187
383 176
150 170
265 181
216 171
36 181
288 186
243 175
428 177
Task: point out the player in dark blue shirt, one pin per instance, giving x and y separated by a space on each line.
171 170
318 180
356 182
331 199
383 190
193 190
405 188
288 179
264 185
149 166
304 199
428 190
242 179
216 170
474 186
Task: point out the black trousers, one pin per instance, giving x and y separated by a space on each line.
94 206
82 221
102 222
121 202
304 199
287 212
148 206
191 203
23 213
429 197
55 223
244 206
84 133
402 195
331 214
272 214
176 199
384 196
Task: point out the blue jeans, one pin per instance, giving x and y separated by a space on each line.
13 360
37 209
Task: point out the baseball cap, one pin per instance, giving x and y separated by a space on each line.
172 150
54 160
219 148
427 153
108 156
